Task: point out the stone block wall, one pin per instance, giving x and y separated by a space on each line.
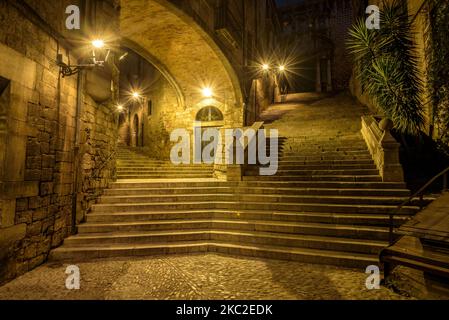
165 117
342 65
37 150
321 29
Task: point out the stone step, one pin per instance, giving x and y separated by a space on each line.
257 184
284 227
253 198
258 190
325 157
326 144
122 172
169 183
163 168
236 205
163 171
320 148
325 162
325 184
302 166
162 176
167 190
344 259
313 152
312 217
243 237
335 178
298 172
135 163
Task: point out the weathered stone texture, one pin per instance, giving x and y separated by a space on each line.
37 153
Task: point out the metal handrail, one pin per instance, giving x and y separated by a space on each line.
419 193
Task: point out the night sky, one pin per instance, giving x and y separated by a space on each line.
288 2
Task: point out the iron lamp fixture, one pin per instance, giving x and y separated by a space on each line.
99 57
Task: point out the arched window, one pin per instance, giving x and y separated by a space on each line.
208 114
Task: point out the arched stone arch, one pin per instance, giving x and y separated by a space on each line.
159 66
185 53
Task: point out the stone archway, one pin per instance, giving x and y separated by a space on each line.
184 53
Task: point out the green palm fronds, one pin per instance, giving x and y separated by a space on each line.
387 67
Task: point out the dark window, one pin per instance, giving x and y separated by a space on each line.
3 84
150 107
209 114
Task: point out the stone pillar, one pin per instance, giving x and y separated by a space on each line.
318 75
329 76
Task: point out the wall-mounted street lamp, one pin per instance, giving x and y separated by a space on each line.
99 57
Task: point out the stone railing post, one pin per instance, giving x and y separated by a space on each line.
384 149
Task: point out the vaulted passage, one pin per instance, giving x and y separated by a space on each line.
185 54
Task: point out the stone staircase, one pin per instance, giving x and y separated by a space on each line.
133 165
327 204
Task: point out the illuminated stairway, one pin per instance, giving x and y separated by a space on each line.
327 204
132 165
313 219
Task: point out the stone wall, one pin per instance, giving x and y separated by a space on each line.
38 149
341 62
320 27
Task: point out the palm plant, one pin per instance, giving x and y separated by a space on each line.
387 67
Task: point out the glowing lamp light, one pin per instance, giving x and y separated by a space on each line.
281 68
207 92
120 108
265 67
136 95
98 43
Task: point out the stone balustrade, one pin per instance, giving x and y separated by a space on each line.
234 172
384 150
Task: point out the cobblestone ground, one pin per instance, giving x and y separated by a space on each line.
207 276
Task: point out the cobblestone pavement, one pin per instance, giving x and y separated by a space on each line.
207 276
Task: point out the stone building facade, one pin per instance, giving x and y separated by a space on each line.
59 135
56 139
320 27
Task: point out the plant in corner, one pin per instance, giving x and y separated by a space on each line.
387 69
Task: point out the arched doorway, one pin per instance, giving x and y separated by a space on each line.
207 118
209 114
